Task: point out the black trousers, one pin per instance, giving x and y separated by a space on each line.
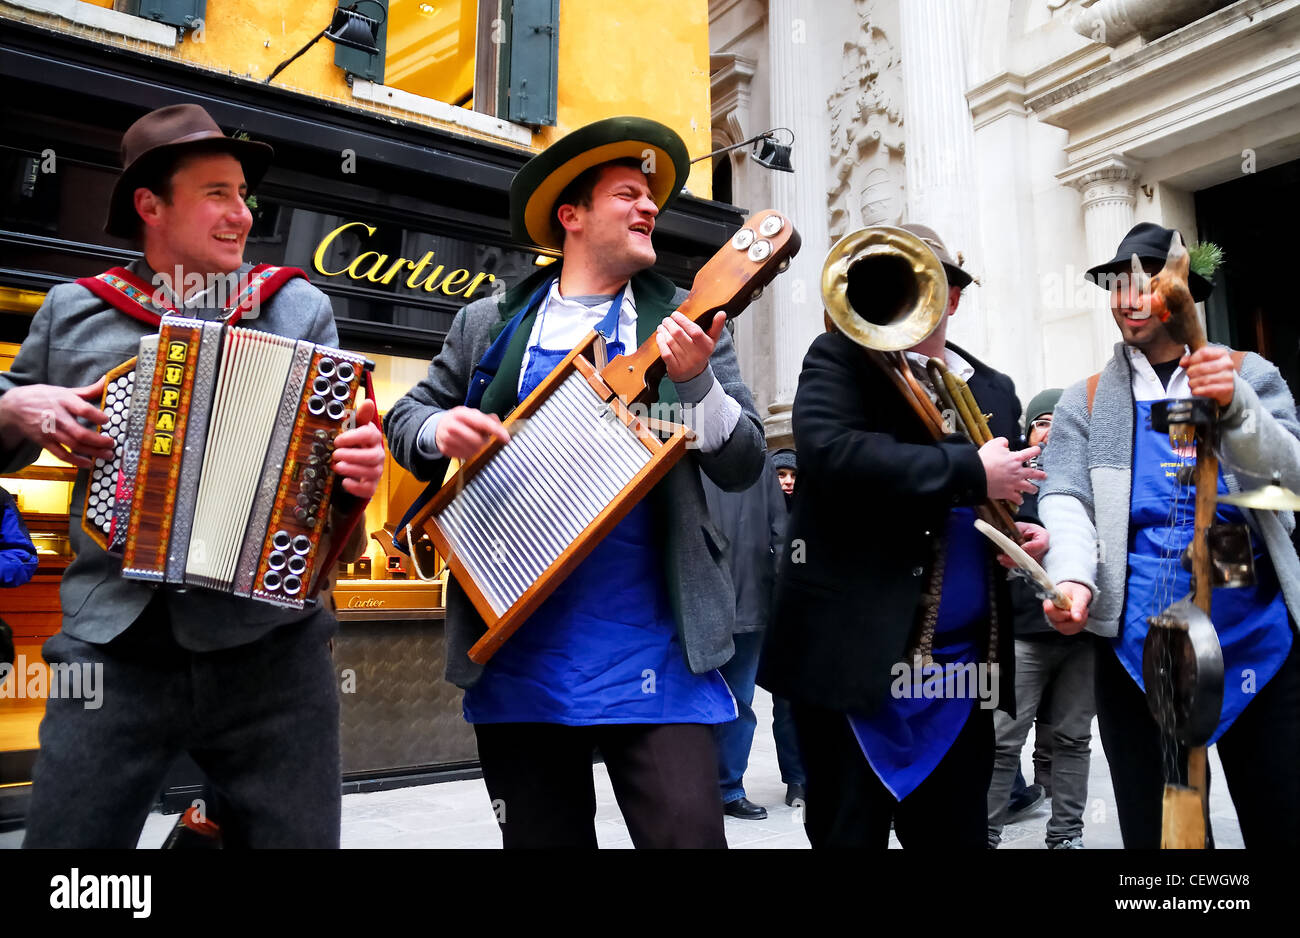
665 778
1258 753
848 806
261 720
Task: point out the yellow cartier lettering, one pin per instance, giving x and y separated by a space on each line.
318 259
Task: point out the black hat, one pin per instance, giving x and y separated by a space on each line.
162 135
1149 242
785 459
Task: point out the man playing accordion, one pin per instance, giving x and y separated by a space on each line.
246 688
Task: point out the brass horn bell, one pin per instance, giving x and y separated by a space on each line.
884 288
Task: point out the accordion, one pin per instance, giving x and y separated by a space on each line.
517 518
222 475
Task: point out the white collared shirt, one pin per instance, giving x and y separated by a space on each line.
1146 383
563 322
712 419
956 364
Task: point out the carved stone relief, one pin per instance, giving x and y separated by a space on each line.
866 127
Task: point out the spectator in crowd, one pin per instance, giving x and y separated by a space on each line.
1046 662
788 759
753 522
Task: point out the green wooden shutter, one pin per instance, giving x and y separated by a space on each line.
183 13
370 67
534 31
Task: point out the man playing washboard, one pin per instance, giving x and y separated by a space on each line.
622 657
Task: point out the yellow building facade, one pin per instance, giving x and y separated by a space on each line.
389 189
651 60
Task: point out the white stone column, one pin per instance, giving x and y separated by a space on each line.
798 102
942 183
1109 192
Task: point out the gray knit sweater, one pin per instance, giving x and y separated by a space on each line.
1085 500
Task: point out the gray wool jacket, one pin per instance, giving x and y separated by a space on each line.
693 550
1084 502
74 339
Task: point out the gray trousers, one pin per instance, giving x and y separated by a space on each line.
1067 668
261 720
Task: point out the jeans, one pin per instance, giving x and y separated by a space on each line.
1066 666
735 738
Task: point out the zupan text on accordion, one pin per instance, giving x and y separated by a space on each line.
222 476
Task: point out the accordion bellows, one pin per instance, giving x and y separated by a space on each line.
222 478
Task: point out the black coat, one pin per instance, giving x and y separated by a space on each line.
753 522
874 491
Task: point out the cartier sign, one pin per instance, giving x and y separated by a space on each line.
415 274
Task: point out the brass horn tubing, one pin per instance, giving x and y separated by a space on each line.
957 395
927 276
933 367
917 396
886 362
977 427
977 415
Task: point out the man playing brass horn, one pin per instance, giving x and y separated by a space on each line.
892 634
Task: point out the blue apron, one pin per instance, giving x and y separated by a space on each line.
1251 621
908 737
603 648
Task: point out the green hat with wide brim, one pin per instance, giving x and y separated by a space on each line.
540 181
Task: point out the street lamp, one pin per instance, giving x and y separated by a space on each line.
767 153
348 28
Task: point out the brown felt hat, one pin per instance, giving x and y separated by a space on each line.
162 135
956 276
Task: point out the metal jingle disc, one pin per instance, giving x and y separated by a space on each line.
1182 668
1272 497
